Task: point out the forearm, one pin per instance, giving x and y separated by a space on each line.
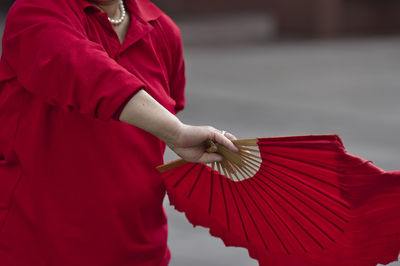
145 112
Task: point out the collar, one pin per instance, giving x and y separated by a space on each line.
143 9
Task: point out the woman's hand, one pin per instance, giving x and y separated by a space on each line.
189 143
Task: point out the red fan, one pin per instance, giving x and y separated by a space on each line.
293 201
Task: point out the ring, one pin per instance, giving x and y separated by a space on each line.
223 132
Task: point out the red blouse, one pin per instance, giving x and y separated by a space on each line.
77 186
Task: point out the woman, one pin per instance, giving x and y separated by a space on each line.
87 96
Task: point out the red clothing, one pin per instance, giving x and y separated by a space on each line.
77 186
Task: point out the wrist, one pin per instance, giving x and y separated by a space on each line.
172 132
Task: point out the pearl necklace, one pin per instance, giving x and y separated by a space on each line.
123 15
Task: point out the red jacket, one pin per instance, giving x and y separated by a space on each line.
77 186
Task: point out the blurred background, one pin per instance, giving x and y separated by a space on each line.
260 68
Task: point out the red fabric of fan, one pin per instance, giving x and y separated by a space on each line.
294 201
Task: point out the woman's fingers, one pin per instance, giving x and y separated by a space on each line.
224 140
210 158
230 136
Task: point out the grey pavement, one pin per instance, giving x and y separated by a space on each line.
242 80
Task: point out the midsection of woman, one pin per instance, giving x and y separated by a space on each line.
80 186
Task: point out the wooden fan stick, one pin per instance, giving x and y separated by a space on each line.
250 157
213 166
225 168
231 166
253 164
249 154
169 166
252 161
250 166
229 170
234 170
236 176
248 171
239 170
242 167
246 142
249 149
229 155
226 172
225 164
242 172
219 167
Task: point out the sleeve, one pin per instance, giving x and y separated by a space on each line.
55 61
178 78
